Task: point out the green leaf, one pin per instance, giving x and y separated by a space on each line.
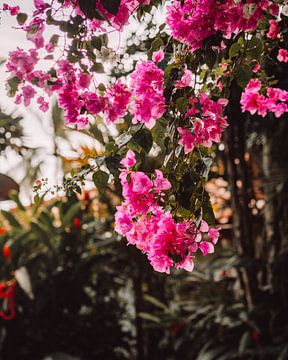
12 86
43 235
156 302
243 75
254 48
208 213
171 74
54 39
244 342
21 18
113 164
11 219
14 195
101 87
98 68
210 58
96 42
159 131
112 6
89 9
46 219
149 317
110 147
156 44
70 214
181 104
94 130
100 179
144 139
234 50
183 213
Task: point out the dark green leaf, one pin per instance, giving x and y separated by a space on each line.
98 68
12 85
112 6
21 18
144 139
113 164
70 214
254 48
54 39
11 219
14 195
158 132
156 44
100 179
243 75
234 50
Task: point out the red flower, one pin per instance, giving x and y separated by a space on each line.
77 223
7 293
256 337
7 252
86 196
176 327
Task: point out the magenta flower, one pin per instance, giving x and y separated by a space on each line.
206 247
282 55
158 56
129 160
148 102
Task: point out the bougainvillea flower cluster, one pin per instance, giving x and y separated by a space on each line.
205 123
275 100
192 22
117 20
143 220
147 86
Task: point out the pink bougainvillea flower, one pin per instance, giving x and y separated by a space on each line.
148 102
273 32
14 10
207 123
206 247
161 183
151 228
158 56
213 234
274 101
129 160
185 80
140 182
192 22
256 68
117 99
282 55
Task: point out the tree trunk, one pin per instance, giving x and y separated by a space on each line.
263 249
239 178
275 169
